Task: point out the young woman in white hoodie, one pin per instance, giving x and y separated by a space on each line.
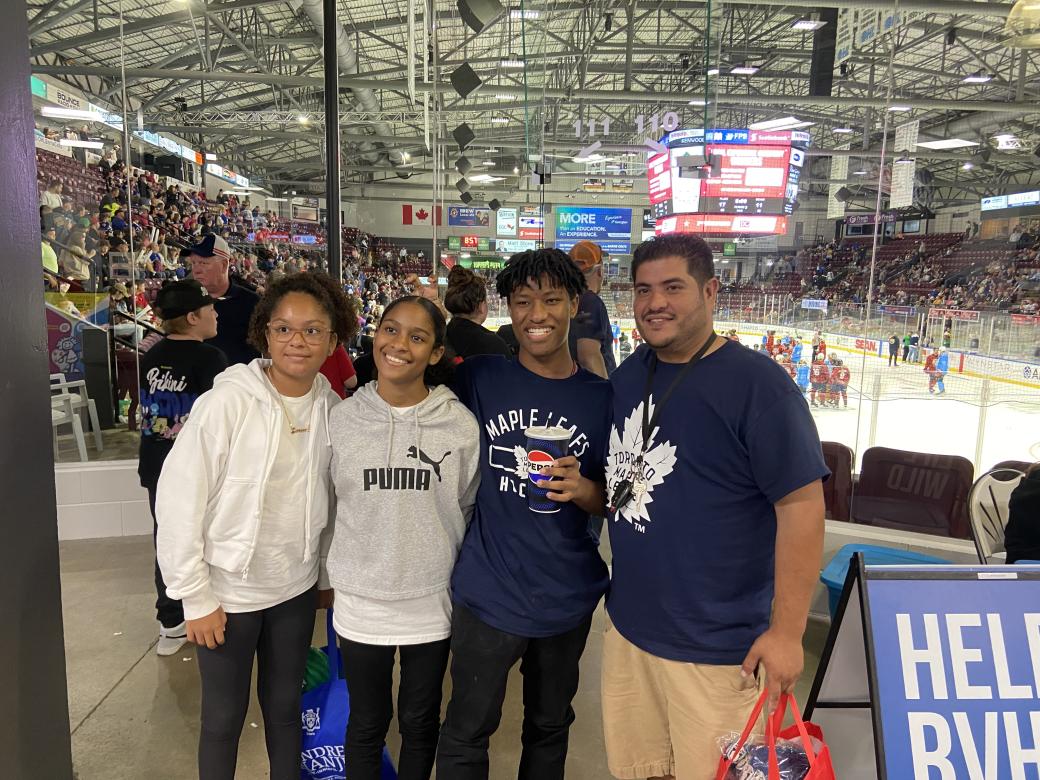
243 506
404 464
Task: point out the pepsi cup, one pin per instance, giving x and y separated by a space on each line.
544 446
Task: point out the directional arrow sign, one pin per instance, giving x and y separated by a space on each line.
655 146
589 150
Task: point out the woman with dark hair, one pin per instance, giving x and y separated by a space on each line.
242 510
466 299
403 504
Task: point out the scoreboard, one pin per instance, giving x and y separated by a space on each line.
731 173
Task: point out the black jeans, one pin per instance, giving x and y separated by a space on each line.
279 637
169 612
369 670
481 659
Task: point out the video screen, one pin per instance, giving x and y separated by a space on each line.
731 173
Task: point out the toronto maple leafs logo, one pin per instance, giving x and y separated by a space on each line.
510 459
658 463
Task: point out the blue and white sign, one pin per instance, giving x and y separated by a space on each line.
610 228
957 671
994 203
513 245
810 303
468 216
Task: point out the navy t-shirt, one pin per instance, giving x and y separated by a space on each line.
592 314
234 309
525 573
693 559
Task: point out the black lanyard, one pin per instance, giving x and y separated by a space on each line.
649 423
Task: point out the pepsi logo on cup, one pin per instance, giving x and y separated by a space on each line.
544 446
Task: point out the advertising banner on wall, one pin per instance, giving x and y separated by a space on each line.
611 228
506 219
468 216
511 245
531 223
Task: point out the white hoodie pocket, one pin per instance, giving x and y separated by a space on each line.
230 533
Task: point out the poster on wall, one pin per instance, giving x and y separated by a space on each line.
611 228
531 223
468 216
506 219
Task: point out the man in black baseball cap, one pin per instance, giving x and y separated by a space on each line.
210 261
174 373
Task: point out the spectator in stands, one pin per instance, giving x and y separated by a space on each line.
50 258
339 370
173 374
679 668
1022 534
593 319
77 263
210 261
51 197
110 203
466 299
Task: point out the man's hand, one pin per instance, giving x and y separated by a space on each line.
782 657
326 598
567 484
427 289
209 630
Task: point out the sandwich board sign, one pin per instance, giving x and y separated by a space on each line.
940 665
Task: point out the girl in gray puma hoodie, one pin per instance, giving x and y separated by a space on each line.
404 467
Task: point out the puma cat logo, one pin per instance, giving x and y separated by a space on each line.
422 457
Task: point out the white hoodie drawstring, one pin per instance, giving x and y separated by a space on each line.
390 438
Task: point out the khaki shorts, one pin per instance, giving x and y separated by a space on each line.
663 717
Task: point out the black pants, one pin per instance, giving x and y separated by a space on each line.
279 637
893 358
906 352
481 659
169 612
369 670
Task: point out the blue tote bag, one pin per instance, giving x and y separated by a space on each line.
325 710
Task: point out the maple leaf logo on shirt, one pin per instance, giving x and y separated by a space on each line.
421 215
658 462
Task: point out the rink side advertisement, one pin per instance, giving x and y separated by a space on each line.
956 660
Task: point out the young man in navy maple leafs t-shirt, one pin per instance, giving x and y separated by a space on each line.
714 472
526 583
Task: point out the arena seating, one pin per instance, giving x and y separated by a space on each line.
913 491
837 490
84 184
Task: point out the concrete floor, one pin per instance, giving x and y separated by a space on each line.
135 715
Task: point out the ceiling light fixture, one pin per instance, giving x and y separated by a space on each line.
527 13
948 143
516 170
842 130
713 71
70 113
899 108
512 62
488 163
859 173
500 120
808 25
977 78
503 96
699 102
744 70
967 166
303 119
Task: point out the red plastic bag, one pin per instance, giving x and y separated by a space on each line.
820 767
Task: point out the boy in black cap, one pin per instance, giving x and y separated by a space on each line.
174 373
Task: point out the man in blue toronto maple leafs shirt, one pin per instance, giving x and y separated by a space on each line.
526 584
717 551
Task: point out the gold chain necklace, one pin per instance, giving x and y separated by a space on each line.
292 428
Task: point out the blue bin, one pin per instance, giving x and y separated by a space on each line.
834 574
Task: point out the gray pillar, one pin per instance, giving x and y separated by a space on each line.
334 237
34 732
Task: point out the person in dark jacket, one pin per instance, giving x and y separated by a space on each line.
466 299
1022 535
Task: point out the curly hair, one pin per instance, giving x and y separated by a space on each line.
466 291
536 264
320 286
443 371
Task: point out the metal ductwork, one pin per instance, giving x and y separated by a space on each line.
348 64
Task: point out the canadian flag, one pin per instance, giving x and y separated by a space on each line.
417 214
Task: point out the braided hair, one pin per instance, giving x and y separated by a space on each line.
534 265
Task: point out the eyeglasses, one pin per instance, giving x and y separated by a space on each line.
283 334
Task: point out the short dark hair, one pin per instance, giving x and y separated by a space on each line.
537 263
327 292
699 261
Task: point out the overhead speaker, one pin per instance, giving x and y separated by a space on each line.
464 79
843 195
463 135
463 165
466 197
495 204
462 185
478 14
541 175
